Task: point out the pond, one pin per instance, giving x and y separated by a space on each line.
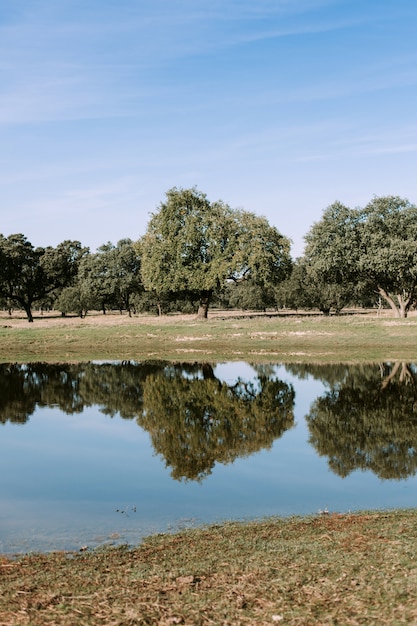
106 453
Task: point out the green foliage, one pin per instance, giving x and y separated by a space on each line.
368 420
76 299
248 295
195 245
113 387
307 288
365 420
29 275
333 244
195 420
169 302
111 277
374 248
389 240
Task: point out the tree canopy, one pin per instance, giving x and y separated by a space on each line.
194 419
373 247
195 252
112 387
307 288
29 275
194 245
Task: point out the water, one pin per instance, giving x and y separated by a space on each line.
76 473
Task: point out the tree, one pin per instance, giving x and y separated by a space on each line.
29 275
306 288
375 248
122 276
115 388
112 275
248 295
389 239
76 299
193 245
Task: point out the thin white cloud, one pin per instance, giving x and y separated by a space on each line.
97 65
398 141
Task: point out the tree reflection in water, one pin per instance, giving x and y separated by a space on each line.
194 419
116 388
367 419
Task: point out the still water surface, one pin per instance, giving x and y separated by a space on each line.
106 453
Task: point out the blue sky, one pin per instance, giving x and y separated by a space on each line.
279 107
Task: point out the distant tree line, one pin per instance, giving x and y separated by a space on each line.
196 253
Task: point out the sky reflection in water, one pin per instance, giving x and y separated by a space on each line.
87 478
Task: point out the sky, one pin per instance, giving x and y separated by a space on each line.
279 107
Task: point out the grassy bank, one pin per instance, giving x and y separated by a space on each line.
335 569
330 569
267 338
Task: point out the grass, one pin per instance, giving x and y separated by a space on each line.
335 569
260 338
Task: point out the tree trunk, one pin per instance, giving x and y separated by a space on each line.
205 297
404 305
390 376
28 311
400 309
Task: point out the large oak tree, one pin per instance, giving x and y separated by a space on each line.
194 245
373 247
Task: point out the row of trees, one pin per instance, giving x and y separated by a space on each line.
195 251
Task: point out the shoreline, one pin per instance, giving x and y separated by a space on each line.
339 568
